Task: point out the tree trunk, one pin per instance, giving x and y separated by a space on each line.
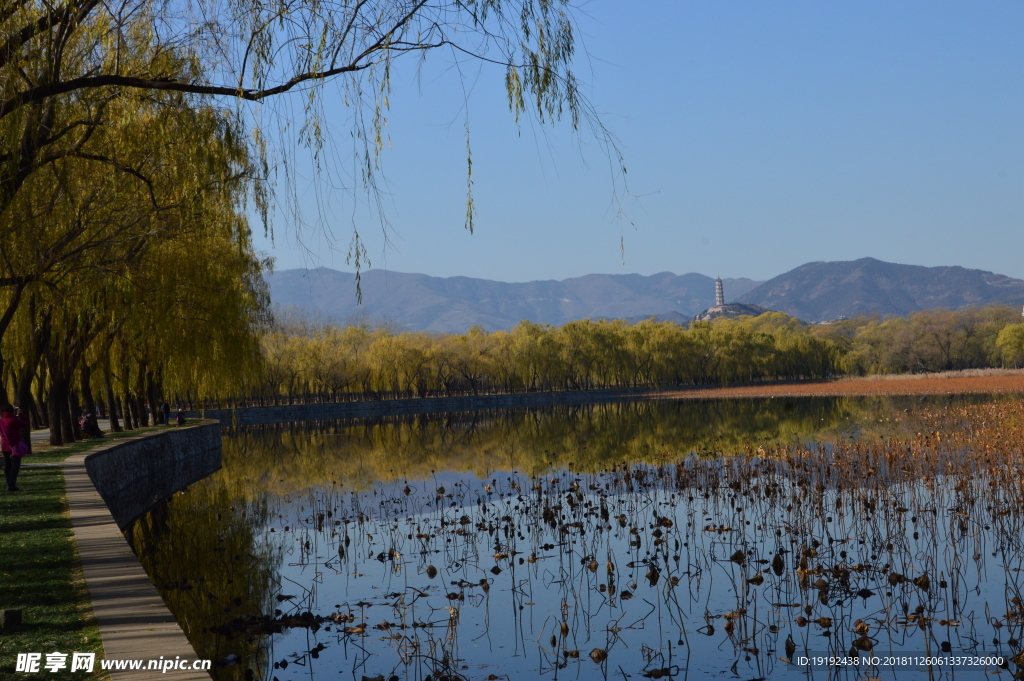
34 368
126 412
35 417
85 384
24 395
133 405
74 412
5 321
154 408
60 431
44 414
115 427
3 381
143 417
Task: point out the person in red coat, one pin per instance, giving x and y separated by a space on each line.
13 427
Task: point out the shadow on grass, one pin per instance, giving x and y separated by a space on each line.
35 525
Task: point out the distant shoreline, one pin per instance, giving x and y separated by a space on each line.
971 382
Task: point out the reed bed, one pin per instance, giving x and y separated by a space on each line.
976 382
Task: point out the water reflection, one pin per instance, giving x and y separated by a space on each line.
360 453
608 541
208 554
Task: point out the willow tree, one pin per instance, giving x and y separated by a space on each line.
238 52
186 313
139 260
67 70
109 179
188 325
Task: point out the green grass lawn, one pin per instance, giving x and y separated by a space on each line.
40 573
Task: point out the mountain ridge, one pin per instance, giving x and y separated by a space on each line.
825 290
453 304
813 292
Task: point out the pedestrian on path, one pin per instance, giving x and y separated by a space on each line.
166 410
12 426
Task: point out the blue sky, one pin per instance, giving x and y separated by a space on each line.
757 136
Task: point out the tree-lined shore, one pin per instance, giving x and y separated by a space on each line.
200 334
320 362
133 155
128 271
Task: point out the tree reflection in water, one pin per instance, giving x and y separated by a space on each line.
208 553
659 540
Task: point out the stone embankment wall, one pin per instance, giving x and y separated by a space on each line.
133 476
330 411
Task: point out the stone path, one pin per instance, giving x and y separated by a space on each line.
42 436
133 620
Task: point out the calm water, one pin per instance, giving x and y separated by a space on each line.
650 540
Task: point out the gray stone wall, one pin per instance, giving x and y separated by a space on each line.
133 476
428 405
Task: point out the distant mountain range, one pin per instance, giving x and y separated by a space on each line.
453 304
820 291
817 291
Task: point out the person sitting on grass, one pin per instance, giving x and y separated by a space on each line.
13 426
90 427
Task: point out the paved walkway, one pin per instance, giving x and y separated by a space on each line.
133 620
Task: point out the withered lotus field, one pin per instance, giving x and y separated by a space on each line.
616 541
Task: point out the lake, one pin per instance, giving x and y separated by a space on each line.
660 539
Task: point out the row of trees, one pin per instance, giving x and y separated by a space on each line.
127 272
326 363
129 267
928 341
330 363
